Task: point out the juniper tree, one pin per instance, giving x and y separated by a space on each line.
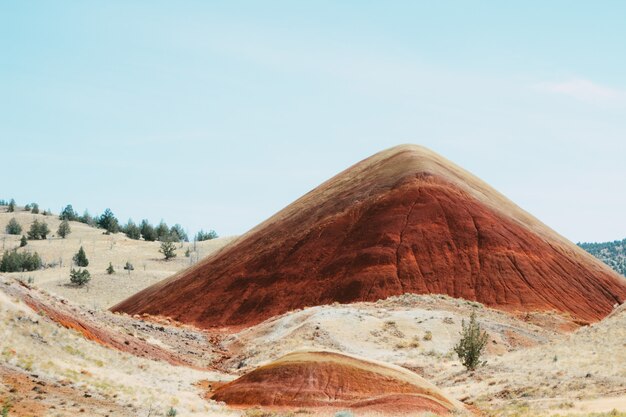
131 230
68 213
13 227
38 230
109 222
11 207
34 208
168 249
80 259
472 343
23 241
64 229
147 231
79 277
110 269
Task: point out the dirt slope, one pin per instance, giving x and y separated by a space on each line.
402 221
328 379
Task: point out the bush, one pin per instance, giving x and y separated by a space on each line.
64 229
110 269
38 230
129 267
34 208
108 222
171 412
23 241
80 259
11 207
79 277
202 235
68 213
20 262
472 343
168 249
13 227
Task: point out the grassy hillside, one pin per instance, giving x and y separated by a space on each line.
103 290
611 253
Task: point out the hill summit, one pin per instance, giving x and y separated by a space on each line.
405 220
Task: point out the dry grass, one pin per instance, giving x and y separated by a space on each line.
104 290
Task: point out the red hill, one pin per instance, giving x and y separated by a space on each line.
332 380
402 221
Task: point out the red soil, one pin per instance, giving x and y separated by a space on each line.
325 379
65 317
403 221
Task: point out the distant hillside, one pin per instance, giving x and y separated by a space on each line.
611 253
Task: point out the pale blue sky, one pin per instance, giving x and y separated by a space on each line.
218 114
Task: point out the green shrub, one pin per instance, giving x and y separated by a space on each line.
472 343
23 241
147 231
34 208
110 269
13 227
132 230
14 261
80 259
64 229
108 222
168 249
38 230
11 207
202 235
171 412
178 234
68 213
79 277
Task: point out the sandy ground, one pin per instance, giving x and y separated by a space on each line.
104 290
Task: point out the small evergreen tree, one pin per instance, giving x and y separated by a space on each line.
147 231
163 232
202 235
64 229
129 267
132 231
68 213
168 249
80 259
11 207
178 233
108 222
27 207
23 241
79 277
18 262
13 227
110 269
34 208
44 230
87 219
472 343
38 230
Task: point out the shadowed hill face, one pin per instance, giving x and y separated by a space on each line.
326 379
403 221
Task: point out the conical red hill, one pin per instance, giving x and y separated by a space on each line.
402 221
327 379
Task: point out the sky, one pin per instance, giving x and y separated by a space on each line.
217 114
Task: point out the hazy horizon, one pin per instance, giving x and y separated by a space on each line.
216 116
